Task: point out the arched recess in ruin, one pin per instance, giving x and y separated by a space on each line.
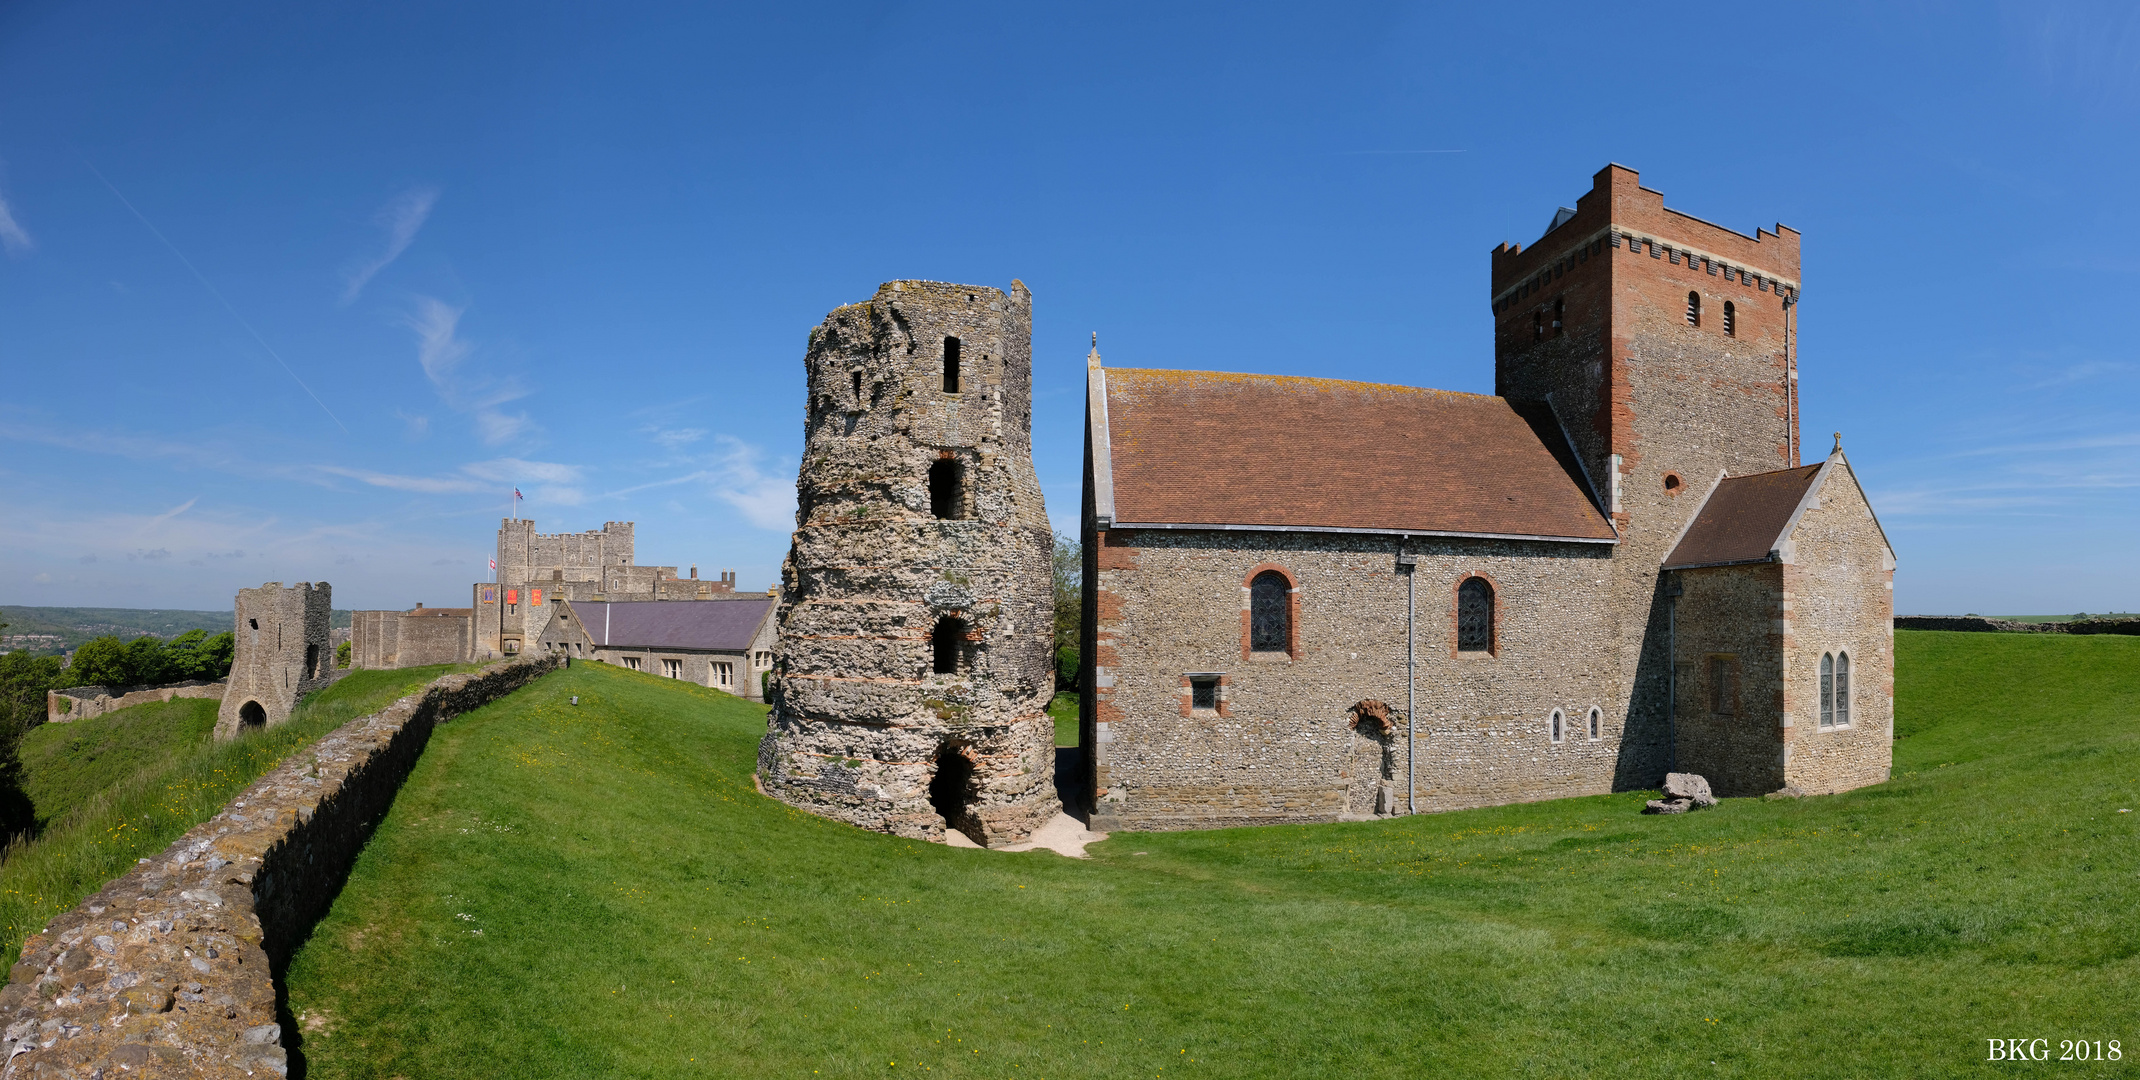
1372 789
954 789
251 715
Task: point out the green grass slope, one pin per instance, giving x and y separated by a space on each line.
123 786
65 765
598 891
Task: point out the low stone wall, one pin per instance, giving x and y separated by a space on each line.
84 702
172 968
1977 623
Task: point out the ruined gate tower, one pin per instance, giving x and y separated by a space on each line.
916 630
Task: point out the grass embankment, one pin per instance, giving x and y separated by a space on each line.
597 891
121 787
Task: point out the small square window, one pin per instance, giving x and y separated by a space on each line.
1204 692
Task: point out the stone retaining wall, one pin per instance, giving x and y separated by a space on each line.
84 702
171 970
1980 624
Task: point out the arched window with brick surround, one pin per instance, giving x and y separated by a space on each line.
1475 616
1270 613
1731 319
1694 309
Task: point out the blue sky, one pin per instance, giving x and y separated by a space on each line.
302 292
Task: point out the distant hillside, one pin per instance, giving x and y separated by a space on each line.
49 631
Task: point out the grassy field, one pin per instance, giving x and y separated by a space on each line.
66 765
597 891
1063 710
122 786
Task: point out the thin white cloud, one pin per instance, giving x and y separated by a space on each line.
672 438
428 485
401 219
441 350
174 511
12 236
497 428
438 345
515 470
735 475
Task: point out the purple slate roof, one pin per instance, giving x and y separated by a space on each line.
719 625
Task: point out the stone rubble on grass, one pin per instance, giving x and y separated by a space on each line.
1682 792
169 970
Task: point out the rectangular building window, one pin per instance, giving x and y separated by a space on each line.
673 669
721 674
1204 692
632 662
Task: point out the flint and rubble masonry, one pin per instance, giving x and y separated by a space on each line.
88 702
176 962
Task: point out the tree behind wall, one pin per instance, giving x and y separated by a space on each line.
23 682
1069 562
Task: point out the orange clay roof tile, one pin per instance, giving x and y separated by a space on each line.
1216 448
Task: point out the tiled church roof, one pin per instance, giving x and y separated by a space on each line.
1743 519
1210 448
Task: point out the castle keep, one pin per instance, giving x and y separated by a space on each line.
280 655
914 660
1308 599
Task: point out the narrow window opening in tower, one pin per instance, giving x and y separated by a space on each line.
858 387
1731 320
944 493
945 643
951 365
1538 325
1694 309
312 661
1560 315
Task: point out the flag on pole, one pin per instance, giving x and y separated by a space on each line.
494 566
517 494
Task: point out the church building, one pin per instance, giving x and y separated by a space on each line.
1312 600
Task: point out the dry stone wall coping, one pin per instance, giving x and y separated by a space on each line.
171 969
84 702
1974 623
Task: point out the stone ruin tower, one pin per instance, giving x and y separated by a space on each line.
915 659
281 655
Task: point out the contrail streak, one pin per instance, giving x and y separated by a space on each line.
218 294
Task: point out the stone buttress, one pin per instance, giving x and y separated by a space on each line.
915 661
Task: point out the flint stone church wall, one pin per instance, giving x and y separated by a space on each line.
1841 588
861 726
174 965
1282 746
